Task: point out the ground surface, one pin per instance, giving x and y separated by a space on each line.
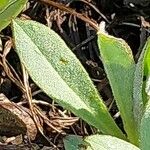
123 19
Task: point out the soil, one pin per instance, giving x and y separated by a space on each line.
128 19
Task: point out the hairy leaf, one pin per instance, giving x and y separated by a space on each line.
145 122
145 128
147 67
105 142
56 70
120 66
139 93
74 142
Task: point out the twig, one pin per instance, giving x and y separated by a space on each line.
8 68
29 98
72 12
91 5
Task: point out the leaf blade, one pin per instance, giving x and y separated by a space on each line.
65 79
9 9
106 142
74 142
147 67
144 129
139 93
119 66
145 121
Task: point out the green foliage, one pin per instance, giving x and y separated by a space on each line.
147 59
120 66
9 9
74 142
145 129
147 68
138 104
65 80
56 70
105 142
97 142
139 91
145 121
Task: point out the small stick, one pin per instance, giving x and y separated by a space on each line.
71 11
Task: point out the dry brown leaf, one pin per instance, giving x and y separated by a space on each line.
15 119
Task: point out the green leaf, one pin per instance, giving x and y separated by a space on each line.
139 94
147 59
120 66
9 9
145 129
74 142
56 70
105 142
97 142
145 122
138 89
147 67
